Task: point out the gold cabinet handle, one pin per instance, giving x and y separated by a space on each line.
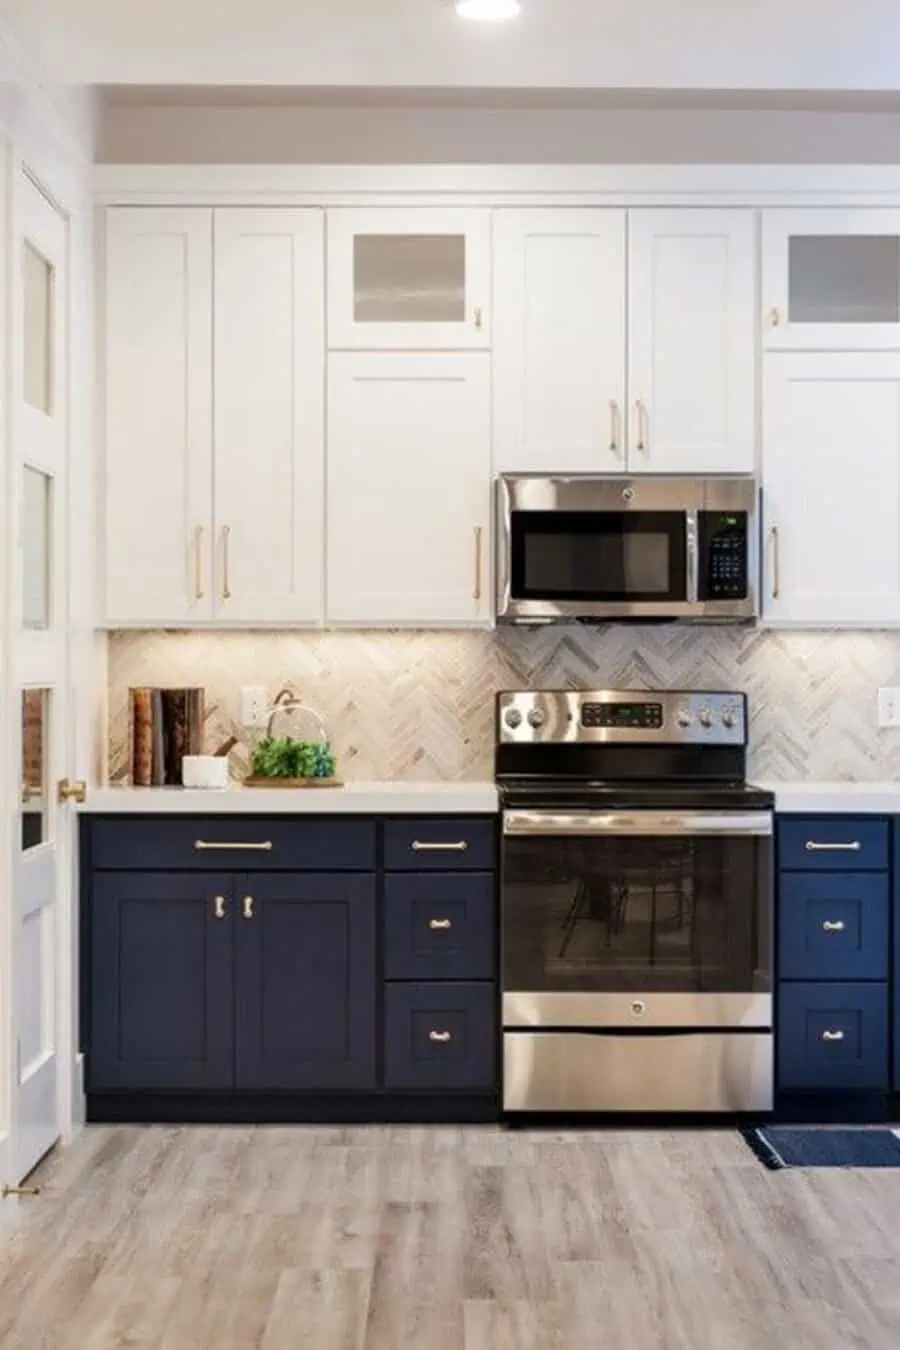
829 1035
615 428
479 319
207 846
834 925
198 563
7 1191
220 906
440 1037
776 563
477 531
643 426
248 906
422 846
852 846
440 924
69 791
226 562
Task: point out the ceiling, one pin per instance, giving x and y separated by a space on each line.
787 45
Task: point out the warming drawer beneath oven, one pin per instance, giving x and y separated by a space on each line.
640 1012
593 1071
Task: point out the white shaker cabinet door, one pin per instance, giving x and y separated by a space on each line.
269 415
409 278
158 382
408 488
691 341
559 340
831 480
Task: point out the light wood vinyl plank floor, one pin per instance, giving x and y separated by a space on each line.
400 1238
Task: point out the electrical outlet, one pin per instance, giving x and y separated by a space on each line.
889 707
254 705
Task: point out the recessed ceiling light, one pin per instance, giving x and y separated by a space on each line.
488 11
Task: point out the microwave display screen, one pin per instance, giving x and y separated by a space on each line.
596 556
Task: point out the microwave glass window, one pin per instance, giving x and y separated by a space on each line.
583 556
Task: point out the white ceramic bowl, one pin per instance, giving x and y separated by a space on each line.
205 771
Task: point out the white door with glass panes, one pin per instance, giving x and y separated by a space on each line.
691 341
409 453
43 829
559 340
269 378
159 416
831 278
831 488
409 278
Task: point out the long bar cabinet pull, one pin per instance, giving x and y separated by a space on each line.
478 531
851 846
422 846
198 563
615 428
834 925
643 426
208 846
776 563
226 568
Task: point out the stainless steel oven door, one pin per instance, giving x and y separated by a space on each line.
641 920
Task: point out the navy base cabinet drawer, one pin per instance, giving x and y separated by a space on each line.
439 926
833 1037
833 844
440 1036
438 843
262 843
833 925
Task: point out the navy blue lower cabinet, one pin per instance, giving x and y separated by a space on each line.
834 925
440 1036
161 1005
305 981
833 1037
439 926
833 843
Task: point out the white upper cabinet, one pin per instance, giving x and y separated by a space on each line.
691 341
559 340
158 380
409 278
624 341
408 488
831 278
831 479
269 415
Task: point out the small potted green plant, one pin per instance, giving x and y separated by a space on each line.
283 758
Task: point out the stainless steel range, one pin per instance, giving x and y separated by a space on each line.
636 904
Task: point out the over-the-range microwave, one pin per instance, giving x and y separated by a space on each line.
639 549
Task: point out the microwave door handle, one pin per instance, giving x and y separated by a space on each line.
692 558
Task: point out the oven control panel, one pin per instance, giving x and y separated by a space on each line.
691 717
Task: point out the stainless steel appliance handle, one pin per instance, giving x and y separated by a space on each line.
649 823
692 558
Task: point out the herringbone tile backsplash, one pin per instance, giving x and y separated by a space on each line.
420 705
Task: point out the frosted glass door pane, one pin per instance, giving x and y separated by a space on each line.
37 337
37 495
844 278
409 278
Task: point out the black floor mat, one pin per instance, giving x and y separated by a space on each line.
790 1146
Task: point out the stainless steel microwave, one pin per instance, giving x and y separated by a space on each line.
642 548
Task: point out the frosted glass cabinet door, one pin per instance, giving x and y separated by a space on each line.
831 279
409 278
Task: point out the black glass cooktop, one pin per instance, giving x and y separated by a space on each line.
559 794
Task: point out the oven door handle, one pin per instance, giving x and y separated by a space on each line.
648 823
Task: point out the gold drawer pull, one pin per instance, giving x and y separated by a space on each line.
19 1190
834 925
220 906
440 923
207 846
832 1035
852 847
440 1037
422 846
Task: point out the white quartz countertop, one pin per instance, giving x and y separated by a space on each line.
841 798
352 799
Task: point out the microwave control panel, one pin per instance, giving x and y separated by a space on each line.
723 555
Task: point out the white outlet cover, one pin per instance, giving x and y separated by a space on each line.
889 707
254 705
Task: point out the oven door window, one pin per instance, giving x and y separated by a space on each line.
636 914
599 555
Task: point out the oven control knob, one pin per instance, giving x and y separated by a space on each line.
513 718
706 718
537 717
728 720
684 718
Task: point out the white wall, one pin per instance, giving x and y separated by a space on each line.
397 135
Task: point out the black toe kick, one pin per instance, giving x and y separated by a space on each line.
250 1108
